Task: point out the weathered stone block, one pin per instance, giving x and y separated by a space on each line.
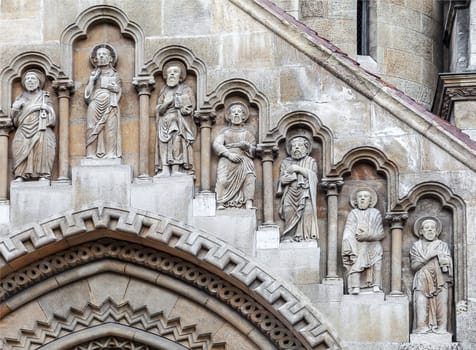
101 179
234 226
267 237
297 262
169 196
204 204
27 200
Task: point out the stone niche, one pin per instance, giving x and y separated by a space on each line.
429 206
105 32
191 81
364 174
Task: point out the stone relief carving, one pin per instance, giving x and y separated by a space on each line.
297 187
174 122
235 146
362 249
433 266
33 116
102 94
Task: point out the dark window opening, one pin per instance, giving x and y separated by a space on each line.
363 27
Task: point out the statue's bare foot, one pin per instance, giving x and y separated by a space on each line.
377 289
18 179
355 291
422 330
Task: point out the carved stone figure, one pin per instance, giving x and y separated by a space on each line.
102 94
433 266
33 116
174 121
235 145
361 244
297 187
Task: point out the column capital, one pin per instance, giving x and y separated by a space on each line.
267 151
63 87
6 124
396 219
144 84
205 118
331 185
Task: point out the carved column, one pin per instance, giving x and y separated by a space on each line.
144 84
64 88
267 153
5 128
205 119
332 186
396 220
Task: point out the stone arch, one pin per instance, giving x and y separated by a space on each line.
455 204
79 28
193 63
311 122
18 65
281 302
254 96
381 163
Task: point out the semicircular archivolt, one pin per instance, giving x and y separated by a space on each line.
269 325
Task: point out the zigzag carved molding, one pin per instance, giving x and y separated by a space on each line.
109 312
286 300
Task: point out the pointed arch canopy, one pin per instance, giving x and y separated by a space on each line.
18 65
281 300
92 15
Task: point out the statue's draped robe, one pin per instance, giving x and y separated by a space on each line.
103 133
175 128
368 251
235 181
429 278
298 207
34 143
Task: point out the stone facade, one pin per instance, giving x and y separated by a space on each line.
108 251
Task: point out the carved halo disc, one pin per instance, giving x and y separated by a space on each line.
373 196
111 49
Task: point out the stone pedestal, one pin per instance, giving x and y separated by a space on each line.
369 317
431 338
297 262
234 226
4 212
169 196
33 201
267 237
101 180
204 204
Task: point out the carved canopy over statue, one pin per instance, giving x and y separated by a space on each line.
362 250
102 94
297 187
235 145
174 123
33 116
433 266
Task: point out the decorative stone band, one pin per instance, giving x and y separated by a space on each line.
283 300
414 346
110 324
159 261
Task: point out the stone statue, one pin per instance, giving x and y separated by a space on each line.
297 187
102 94
433 266
34 143
175 125
235 145
361 244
